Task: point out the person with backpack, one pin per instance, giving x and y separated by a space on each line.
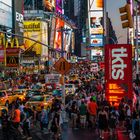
112 121
26 124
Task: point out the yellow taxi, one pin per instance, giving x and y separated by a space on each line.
3 108
38 101
19 95
6 97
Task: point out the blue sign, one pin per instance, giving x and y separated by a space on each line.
96 40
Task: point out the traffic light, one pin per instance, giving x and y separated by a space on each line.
126 17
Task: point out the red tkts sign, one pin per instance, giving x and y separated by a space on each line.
118 72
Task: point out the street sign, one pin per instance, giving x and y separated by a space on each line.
52 78
62 66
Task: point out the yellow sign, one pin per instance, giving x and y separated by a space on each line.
2 39
12 42
62 66
33 31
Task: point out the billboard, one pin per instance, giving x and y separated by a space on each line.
44 33
58 39
96 40
118 72
12 57
67 38
95 5
32 29
6 13
95 22
59 6
49 5
18 18
96 52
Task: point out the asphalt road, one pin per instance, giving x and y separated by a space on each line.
79 134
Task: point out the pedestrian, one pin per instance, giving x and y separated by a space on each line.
5 125
26 124
102 121
44 118
55 126
92 110
74 115
34 117
83 113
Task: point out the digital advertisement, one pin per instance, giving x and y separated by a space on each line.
59 6
57 39
96 4
49 5
96 40
95 22
118 63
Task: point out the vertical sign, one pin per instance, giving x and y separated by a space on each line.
118 72
18 10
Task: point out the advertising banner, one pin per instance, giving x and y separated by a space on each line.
57 39
6 13
118 72
18 18
32 29
95 4
49 5
96 52
96 40
59 6
12 57
95 22
67 38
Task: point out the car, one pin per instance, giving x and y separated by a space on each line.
6 98
38 101
31 93
19 95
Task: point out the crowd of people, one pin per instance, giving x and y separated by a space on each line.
87 109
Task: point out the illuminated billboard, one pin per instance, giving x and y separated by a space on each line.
6 13
49 5
118 72
96 52
57 39
96 40
95 22
95 4
67 38
59 6
32 29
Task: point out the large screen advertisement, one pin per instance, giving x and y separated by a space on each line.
49 5
32 29
57 39
6 13
96 4
59 6
96 40
67 38
95 22
44 33
118 72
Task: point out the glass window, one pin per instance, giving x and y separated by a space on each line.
36 98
